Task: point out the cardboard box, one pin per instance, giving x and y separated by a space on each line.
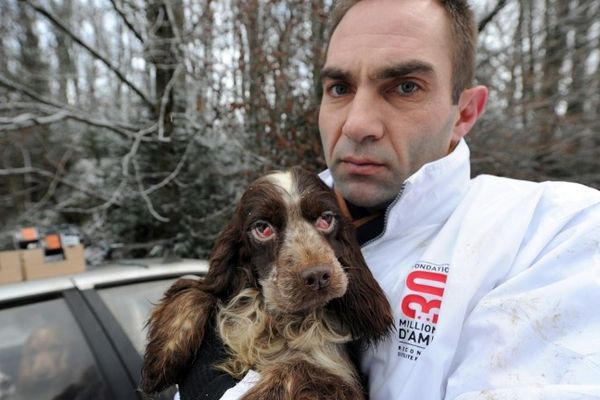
35 266
10 267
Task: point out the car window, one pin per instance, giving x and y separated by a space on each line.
131 306
44 356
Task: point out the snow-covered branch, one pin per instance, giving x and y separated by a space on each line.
60 111
52 176
121 75
119 10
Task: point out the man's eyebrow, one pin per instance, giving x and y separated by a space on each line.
403 69
335 74
394 71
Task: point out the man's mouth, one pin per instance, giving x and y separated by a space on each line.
360 165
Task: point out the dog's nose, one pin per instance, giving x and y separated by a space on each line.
316 277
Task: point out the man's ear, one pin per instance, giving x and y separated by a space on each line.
470 106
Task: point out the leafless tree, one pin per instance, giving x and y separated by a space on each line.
141 121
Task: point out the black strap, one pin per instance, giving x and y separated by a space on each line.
368 225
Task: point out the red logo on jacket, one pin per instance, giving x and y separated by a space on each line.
420 308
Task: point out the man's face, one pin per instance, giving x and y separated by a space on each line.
386 108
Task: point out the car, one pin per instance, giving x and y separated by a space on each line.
82 336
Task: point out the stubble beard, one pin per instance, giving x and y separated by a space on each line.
368 192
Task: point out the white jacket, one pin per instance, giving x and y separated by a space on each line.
495 286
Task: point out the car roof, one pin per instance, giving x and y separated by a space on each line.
115 273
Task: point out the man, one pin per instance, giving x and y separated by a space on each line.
494 282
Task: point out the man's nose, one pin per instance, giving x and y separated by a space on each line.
363 121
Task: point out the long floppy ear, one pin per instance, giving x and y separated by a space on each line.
177 325
229 270
364 309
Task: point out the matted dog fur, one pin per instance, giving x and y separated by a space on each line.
289 290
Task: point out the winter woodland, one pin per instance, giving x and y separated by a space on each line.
140 122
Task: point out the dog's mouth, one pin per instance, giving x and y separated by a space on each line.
315 302
305 290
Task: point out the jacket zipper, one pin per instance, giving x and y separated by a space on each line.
385 217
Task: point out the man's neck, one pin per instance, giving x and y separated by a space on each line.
369 223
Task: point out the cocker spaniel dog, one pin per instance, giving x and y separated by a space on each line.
289 290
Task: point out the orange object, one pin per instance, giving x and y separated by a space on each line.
29 234
53 242
35 266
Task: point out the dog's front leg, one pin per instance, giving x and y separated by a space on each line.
175 332
302 381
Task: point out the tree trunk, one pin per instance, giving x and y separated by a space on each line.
165 19
31 60
555 44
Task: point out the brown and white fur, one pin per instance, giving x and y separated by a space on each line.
290 291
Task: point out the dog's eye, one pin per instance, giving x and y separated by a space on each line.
326 222
262 231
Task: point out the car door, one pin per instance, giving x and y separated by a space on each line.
74 344
49 352
123 311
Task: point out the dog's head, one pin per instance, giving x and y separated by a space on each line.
289 239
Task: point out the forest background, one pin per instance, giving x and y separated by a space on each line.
140 122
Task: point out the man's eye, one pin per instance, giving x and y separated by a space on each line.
262 231
338 89
407 87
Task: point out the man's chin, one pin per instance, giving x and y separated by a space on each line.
366 195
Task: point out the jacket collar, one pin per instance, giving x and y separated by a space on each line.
429 196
